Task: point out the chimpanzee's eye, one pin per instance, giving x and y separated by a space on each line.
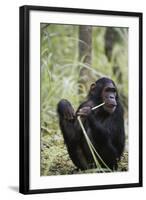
110 89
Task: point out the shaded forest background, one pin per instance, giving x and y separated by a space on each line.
73 57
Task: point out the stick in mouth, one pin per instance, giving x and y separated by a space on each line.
98 106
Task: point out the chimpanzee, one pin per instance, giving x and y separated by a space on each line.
104 126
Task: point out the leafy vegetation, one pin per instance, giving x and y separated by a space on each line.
60 78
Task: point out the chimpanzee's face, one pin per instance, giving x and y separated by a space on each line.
109 97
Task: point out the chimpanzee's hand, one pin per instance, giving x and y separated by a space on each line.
84 111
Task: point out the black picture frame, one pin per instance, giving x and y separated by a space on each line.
24 181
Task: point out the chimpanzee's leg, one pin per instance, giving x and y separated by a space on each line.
72 133
65 110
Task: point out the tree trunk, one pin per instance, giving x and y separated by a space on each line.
85 44
110 39
85 54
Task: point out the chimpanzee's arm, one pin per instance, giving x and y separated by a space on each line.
89 118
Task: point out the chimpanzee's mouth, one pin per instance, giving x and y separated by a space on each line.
111 105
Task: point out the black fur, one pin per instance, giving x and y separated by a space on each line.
105 130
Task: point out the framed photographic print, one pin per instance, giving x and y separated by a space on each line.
80 99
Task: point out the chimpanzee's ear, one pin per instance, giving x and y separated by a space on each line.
92 88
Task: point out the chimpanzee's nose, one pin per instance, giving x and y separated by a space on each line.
111 97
